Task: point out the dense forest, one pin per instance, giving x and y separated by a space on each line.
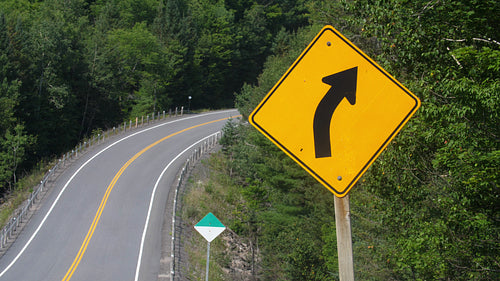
428 208
68 68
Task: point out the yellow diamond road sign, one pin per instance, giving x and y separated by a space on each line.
334 111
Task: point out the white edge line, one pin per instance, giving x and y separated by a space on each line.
139 260
79 169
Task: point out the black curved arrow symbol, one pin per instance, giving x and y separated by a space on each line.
343 86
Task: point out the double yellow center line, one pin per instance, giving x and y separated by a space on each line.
97 216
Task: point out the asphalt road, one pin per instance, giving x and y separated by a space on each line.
92 225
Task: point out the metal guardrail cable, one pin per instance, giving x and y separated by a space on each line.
195 156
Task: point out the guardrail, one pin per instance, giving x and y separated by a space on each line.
22 212
206 145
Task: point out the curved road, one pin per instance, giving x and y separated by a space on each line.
97 223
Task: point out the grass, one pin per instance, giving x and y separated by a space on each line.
205 193
17 196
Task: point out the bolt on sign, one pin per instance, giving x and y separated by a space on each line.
334 111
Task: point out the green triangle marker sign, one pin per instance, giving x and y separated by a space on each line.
209 227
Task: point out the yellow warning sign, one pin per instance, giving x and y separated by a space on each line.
334 111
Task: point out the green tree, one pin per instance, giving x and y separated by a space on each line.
144 66
47 57
13 148
125 13
13 139
214 52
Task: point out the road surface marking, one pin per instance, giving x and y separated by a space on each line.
139 260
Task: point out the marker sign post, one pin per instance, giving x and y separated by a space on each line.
209 227
333 112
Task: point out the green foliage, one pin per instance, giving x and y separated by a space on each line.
12 152
145 69
13 139
275 66
9 94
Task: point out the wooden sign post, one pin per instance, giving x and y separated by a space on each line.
344 238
